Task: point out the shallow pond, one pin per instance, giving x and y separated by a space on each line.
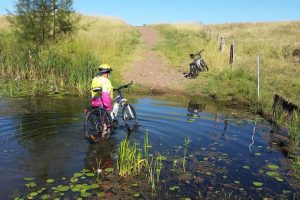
231 154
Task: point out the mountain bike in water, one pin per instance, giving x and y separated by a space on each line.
99 121
197 66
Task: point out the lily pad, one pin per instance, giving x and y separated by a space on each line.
246 167
33 194
29 179
94 186
109 170
30 184
279 179
272 174
50 180
45 197
74 180
173 188
78 174
135 185
258 184
85 194
63 188
85 171
258 154
273 167
237 182
100 194
90 174
136 194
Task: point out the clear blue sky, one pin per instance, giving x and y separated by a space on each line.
138 12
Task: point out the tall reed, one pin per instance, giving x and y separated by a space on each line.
294 131
70 64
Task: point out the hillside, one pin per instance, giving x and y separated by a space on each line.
276 43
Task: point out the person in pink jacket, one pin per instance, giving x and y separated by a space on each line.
102 93
102 90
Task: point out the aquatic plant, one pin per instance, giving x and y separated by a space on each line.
154 170
130 158
294 131
97 170
187 142
147 146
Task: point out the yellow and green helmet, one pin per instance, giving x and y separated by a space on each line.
104 68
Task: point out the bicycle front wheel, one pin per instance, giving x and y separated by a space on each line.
204 65
129 117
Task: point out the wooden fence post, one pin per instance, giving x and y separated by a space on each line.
231 59
222 43
258 78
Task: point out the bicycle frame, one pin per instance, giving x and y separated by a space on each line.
119 100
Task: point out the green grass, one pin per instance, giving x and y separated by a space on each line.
274 42
67 66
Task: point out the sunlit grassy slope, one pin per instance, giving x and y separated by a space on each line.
70 63
274 42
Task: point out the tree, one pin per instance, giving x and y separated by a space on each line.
38 22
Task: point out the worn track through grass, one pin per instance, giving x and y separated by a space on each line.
150 69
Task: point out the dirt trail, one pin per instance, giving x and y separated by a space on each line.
152 70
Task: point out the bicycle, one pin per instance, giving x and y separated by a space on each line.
198 65
98 120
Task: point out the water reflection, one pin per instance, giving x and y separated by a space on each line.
194 110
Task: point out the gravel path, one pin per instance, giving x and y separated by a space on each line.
151 69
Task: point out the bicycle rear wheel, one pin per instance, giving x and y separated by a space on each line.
194 72
97 123
129 117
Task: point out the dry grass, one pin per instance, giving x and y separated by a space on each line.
274 42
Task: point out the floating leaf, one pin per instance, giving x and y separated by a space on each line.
279 179
100 194
33 194
258 184
246 167
237 182
90 174
94 186
225 177
50 180
272 174
136 194
63 188
29 179
78 174
45 197
273 167
30 184
173 188
258 154
109 170
85 171
135 185
74 180
85 194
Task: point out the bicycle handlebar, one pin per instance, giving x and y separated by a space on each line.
199 54
123 86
